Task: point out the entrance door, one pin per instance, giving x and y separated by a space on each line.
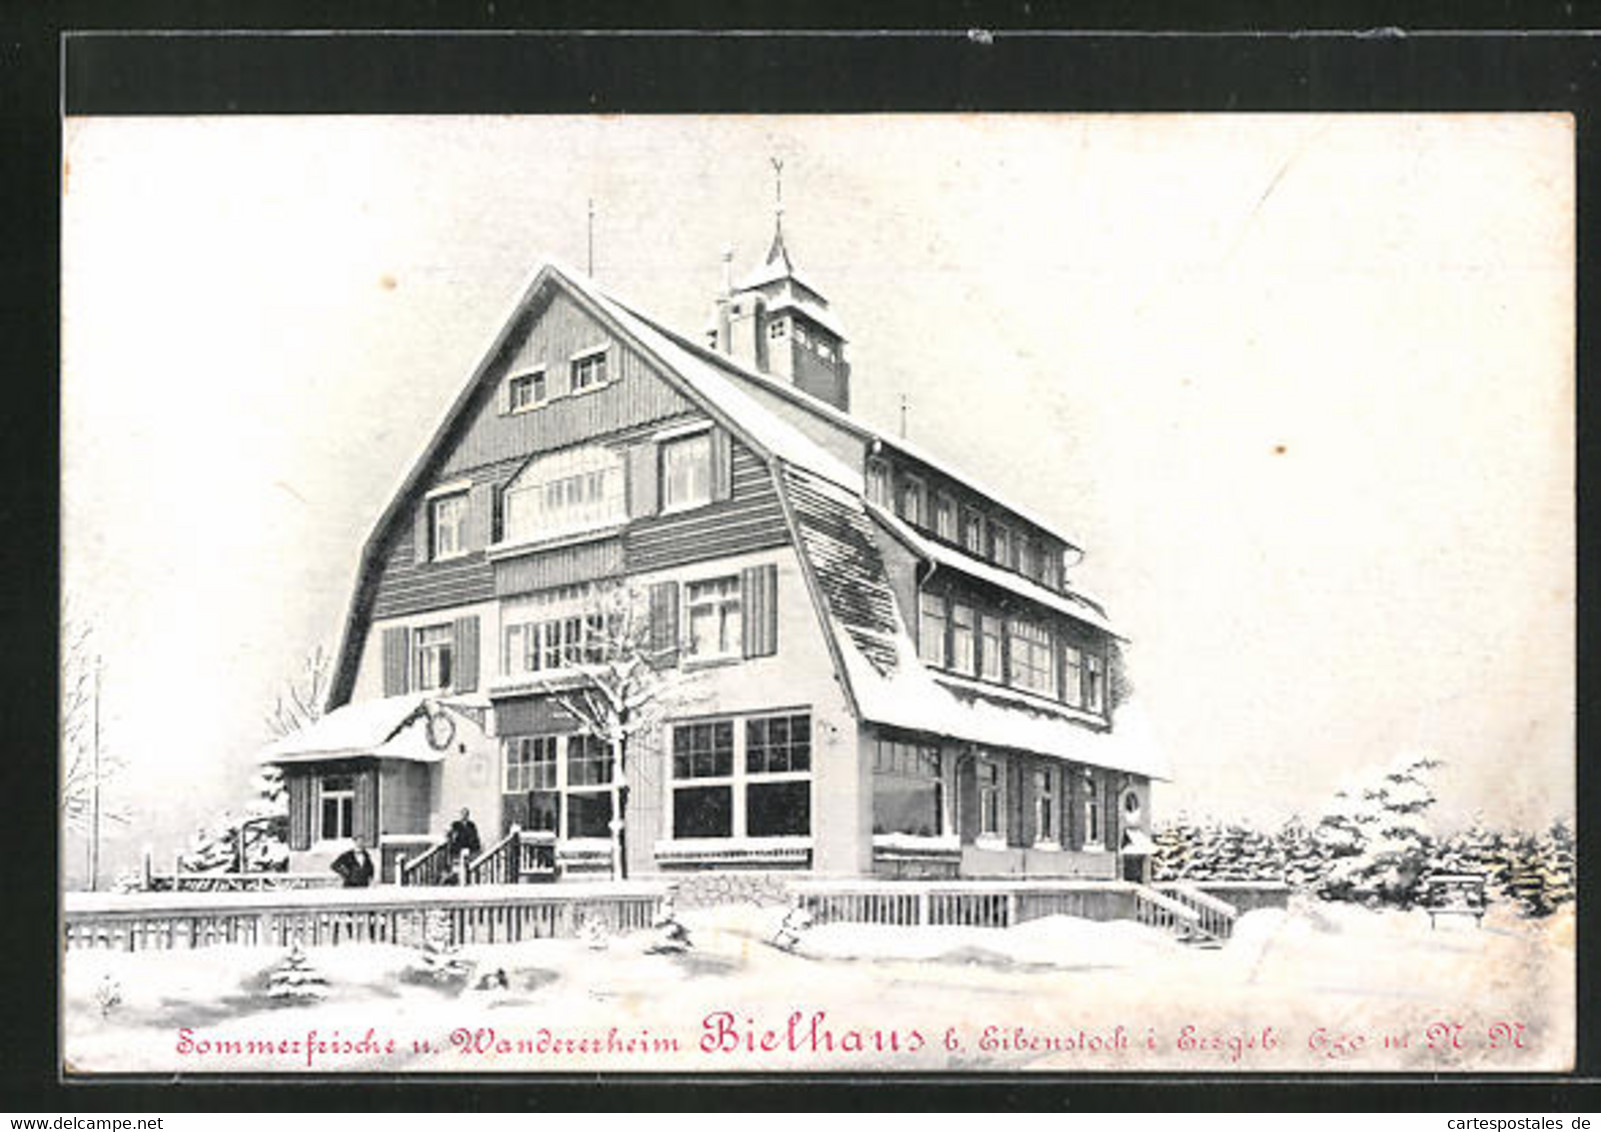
1134 866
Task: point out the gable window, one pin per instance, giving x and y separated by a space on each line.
945 517
1044 805
990 647
972 531
878 482
964 651
448 526
589 370
687 471
1000 543
989 799
1094 683
1073 676
435 652
524 390
565 492
908 789
338 807
1033 664
909 500
715 621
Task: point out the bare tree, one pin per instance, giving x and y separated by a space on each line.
300 700
617 684
86 765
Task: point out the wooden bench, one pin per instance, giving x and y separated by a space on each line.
1455 894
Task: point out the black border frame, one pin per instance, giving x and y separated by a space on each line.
1120 58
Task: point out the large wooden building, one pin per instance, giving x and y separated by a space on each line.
873 665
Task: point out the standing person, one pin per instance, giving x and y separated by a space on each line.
463 835
354 866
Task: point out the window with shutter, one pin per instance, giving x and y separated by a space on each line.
300 809
365 815
397 661
759 586
466 654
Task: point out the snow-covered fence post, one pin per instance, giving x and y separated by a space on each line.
922 908
146 871
1011 910
400 869
461 868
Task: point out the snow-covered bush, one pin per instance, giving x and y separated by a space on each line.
295 980
438 961
1376 837
262 831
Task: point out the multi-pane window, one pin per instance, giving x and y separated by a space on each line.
525 389
1044 804
931 629
778 746
972 531
1000 543
530 763
1094 683
338 807
686 471
1092 809
908 789
589 776
1073 676
989 799
565 491
1033 664
909 500
589 371
878 482
945 516
703 757
777 328
553 629
715 620
763 792
990 647
448 526
964 643
435 651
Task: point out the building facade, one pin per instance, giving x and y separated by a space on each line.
863 662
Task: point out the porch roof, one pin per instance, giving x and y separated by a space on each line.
389 728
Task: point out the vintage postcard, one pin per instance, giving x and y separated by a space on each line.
956 592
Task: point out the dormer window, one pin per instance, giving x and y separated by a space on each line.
909 500
945 517
448 526
1000 543
589 370
972 531
1027 560
525 390
878 482
565 492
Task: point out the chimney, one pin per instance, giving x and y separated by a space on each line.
724 329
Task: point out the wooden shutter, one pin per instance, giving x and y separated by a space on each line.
1027 834
300 809
419 532
722 464
497 506
1113 816
1072 818
1017 820
397 661
643 473
364 815
480 515
464 660
664 622
758 587
967 823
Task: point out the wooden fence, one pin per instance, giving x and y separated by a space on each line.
984 904
482 914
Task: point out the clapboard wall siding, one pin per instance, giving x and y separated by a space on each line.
407 587
750 519
633 395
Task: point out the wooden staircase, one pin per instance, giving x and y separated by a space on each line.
1210 921
517 858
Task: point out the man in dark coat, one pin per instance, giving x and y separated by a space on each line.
354 866
463 835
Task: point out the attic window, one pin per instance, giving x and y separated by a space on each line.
589 370
448 526
878 482
524 390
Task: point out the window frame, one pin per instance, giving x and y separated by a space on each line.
1047 809
587 362
987 651
933 629
1094 682
991 800
537 383
1094 815
731 597
344 802
973 531
1072 675
566 493
458 526
880 482
665 451
909 486
1031 657
740 778
947 517
444 646
907 761
969 633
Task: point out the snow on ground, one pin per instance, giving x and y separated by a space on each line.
1322 986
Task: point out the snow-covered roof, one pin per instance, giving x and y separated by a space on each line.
1073 605
889 684
391 728
772 271
814 311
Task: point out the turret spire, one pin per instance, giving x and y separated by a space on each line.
778 251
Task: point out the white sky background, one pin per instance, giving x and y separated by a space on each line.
1115 321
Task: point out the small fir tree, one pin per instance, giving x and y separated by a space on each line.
295 980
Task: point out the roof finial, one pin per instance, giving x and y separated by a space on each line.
590 266
903 416
778 251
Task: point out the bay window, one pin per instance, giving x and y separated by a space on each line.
908 789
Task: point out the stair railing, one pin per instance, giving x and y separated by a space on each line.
500 863
432 866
